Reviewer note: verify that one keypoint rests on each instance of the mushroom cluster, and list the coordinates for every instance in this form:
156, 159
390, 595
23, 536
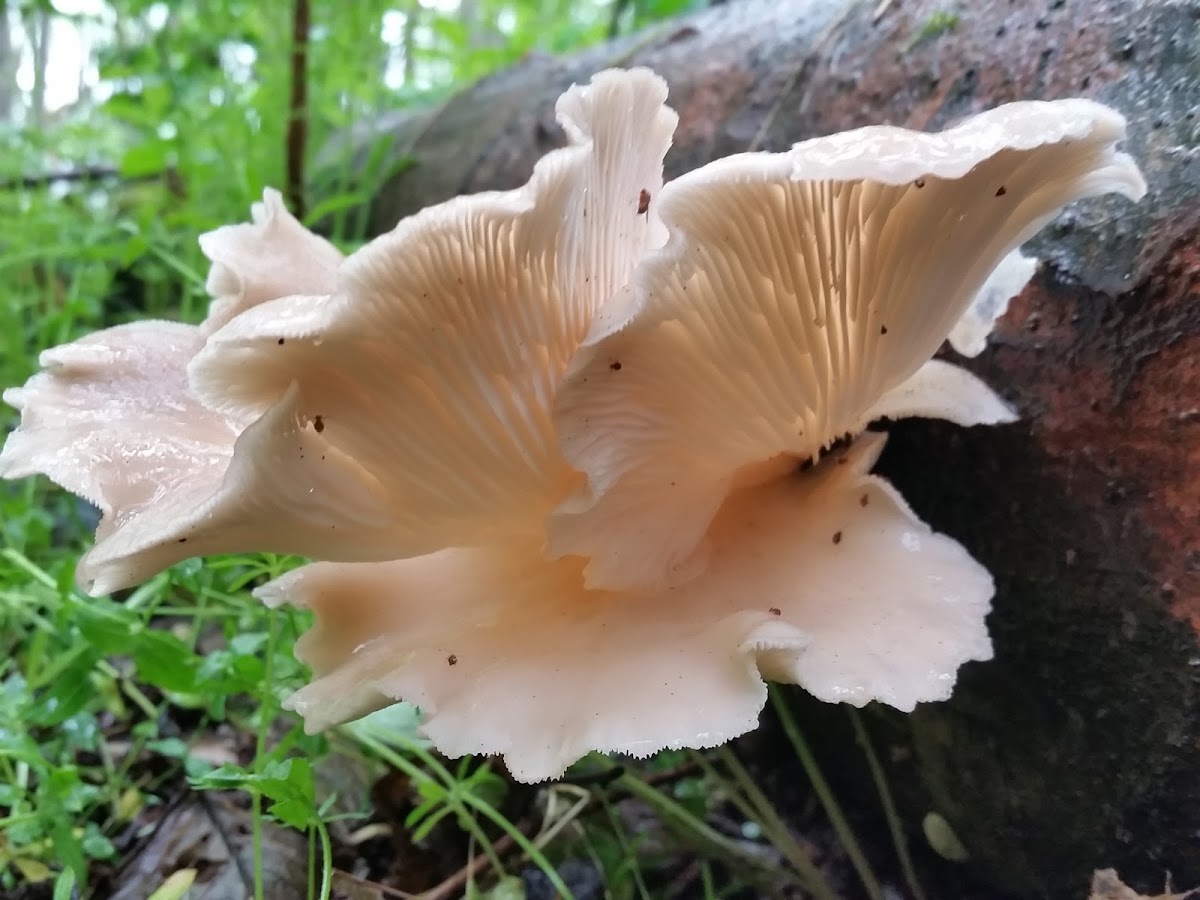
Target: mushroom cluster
583, 463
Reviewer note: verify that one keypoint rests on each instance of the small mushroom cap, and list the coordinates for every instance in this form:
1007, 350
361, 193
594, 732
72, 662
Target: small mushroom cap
110, 420
797, 292
271, 256
436, 364
113, 418
940, 390
545, 670
969, 334
254, 503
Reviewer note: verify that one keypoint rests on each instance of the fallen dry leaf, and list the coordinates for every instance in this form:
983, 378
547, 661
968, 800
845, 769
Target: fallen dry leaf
212, 836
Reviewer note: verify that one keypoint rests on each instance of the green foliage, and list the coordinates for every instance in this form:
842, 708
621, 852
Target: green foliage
934, 27
287, 783
74, 664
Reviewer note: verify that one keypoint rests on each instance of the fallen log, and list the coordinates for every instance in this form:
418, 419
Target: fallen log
1078, 747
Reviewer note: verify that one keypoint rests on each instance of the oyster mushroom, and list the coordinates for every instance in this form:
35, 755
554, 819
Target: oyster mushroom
551, 444
112, 417
711, 374
508, 653
797, 295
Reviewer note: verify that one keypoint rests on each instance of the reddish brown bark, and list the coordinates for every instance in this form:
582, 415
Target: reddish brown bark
1079, 745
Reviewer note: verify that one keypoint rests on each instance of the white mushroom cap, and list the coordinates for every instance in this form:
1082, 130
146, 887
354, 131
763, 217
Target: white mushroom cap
113, 419
969, 334
269, 257
939, 390
796, 292
436, 364
825, 579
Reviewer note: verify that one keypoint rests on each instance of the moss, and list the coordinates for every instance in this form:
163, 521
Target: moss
941, 22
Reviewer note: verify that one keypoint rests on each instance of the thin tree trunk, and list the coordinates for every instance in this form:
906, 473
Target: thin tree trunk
9, 60
40, 42
297, 128
468, 14
614, 23
410, 43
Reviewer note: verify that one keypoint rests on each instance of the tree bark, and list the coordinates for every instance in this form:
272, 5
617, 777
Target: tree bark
9, 60
410, 43
39, 37
1078, 747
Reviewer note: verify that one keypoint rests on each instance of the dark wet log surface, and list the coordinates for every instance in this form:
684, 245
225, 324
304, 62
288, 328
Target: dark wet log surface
1079, 746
